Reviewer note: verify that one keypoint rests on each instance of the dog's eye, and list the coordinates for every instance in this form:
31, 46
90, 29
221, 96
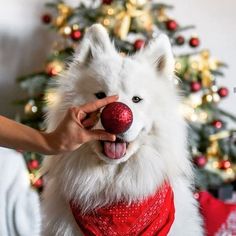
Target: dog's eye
100, 95
136, 99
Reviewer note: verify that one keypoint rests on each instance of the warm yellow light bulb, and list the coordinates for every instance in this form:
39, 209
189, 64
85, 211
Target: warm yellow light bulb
110, 11
106, 22
67, 30
178, 66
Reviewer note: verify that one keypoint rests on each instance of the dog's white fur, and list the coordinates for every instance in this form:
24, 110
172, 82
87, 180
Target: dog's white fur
157, 137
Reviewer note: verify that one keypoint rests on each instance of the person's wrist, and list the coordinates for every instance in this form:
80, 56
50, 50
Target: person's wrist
53, 143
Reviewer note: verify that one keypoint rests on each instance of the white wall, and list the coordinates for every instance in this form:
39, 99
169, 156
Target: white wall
23, 47
24, 41
215, 22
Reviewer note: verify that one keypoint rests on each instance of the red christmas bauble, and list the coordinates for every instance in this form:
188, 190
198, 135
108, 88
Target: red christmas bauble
179, 40
116, 117
171, 25
195, 86
217, 124
139, 43
34, 164
224, 165
194, 42
200, 161
38, 183
223, 92
46, 18
75, 35
107, 2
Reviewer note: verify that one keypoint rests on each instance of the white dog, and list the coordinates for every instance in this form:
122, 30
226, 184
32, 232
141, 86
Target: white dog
147, 191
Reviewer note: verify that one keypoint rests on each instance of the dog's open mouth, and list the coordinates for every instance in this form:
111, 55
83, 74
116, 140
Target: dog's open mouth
114, 150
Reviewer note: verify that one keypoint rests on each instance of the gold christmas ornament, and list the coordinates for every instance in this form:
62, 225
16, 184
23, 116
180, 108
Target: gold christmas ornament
64, 12
204, 65
161, 15
144, 21
207, 78
213, 150
131, 12
211, 97
205, 54
209, 63
138, 3
207, 98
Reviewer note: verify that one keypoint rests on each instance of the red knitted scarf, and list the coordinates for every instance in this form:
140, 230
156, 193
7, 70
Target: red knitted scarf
153, 216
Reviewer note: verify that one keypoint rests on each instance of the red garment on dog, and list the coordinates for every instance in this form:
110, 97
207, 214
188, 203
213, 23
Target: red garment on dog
153, 216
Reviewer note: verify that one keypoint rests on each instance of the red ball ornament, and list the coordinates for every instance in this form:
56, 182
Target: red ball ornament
116, 118
194, 42
34, 164
107, 2
224, 165
223, 92
138, 44
195, 86
38, 183
46, 18
179, 40
200, 161
75, 35
171, 25
217, 124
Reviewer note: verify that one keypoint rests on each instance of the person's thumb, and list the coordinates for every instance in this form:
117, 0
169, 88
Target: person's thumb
98, 134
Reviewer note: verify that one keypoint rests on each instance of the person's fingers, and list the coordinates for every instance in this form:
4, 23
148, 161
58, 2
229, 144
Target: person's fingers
93, 106
91, 121
98, 134
77, 114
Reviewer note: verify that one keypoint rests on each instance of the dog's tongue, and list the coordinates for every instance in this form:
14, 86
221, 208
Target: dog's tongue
114, 150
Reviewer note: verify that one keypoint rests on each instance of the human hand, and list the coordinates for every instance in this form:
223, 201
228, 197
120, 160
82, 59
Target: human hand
75, 128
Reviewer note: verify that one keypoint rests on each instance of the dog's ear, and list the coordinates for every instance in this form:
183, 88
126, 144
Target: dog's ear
95, 42
159, 54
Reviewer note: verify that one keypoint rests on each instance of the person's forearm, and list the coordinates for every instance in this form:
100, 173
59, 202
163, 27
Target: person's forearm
17, 136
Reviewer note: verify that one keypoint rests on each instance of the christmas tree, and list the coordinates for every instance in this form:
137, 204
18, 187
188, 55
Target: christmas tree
131, 25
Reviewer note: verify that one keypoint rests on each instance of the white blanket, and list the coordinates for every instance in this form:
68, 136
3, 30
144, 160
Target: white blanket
19, 204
